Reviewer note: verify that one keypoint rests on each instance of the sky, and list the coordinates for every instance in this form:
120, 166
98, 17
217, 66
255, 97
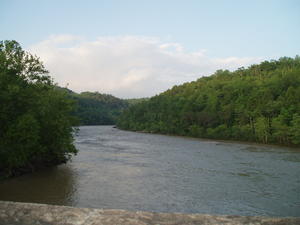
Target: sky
139, 48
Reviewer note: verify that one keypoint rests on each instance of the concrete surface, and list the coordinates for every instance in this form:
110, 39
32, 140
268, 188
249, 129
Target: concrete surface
15, 213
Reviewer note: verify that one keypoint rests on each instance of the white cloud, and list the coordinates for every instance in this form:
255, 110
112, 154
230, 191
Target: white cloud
126, 66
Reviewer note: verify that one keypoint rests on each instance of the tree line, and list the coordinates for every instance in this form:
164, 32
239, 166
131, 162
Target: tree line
94, 108
260, 103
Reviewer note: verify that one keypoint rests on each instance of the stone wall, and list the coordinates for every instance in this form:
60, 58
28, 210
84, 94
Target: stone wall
14, 213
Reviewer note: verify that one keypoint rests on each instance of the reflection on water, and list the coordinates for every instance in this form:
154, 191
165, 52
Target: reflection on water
135, 171
53, 186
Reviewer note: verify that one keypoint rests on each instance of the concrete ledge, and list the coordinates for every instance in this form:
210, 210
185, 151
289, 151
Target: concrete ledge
14, 213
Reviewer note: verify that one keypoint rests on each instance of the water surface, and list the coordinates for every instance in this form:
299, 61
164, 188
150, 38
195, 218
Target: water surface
135, 171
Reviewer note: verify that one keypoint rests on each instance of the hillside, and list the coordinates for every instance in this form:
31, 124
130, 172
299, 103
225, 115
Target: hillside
98, 109
260, 103
94, 108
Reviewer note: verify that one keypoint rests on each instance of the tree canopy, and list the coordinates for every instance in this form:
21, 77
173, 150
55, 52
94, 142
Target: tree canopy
260, 103
98, 109
36, 126
94, 108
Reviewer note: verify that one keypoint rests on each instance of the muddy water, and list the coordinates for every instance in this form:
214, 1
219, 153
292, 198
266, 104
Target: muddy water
134, 171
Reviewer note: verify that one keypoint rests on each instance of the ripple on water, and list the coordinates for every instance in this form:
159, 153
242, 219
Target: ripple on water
135, 171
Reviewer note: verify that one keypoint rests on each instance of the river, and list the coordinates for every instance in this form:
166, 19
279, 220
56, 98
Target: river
136, 171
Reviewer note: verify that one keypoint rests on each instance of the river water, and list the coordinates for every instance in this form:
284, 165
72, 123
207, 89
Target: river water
135, 171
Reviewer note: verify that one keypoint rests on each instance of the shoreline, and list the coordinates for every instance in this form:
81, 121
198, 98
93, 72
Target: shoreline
16, 172
295, 148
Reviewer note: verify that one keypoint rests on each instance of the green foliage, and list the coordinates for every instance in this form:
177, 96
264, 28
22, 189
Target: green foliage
35, 123
295, 129
260, 103
94, 108
133, 101
98, 109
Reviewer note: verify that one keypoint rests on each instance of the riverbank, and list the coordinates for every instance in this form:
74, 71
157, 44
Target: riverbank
293, 147
30, 168
15, 213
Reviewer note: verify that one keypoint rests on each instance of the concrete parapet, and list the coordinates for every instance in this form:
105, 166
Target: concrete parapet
15, 213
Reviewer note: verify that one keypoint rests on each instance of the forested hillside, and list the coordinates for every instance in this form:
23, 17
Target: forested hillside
260, 103
94, 108
133, 101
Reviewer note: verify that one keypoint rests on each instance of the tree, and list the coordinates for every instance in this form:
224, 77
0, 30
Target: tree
260, 103
295, 129
36, 126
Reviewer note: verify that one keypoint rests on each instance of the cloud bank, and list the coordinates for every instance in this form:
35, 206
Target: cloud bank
126, 66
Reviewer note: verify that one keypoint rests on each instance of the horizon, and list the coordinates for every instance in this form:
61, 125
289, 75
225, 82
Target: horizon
138, 49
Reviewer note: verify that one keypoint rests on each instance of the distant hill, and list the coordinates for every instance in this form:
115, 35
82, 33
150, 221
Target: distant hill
94, 108
260, 103
98, 109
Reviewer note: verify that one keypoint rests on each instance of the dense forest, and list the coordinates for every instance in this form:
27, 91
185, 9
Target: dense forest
260, 103
133, 101
93, 108
36, 125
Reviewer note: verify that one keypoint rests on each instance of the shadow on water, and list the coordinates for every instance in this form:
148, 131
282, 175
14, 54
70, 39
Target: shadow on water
52, 186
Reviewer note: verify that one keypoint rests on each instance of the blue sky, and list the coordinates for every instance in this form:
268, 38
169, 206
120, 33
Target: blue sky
256, 29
